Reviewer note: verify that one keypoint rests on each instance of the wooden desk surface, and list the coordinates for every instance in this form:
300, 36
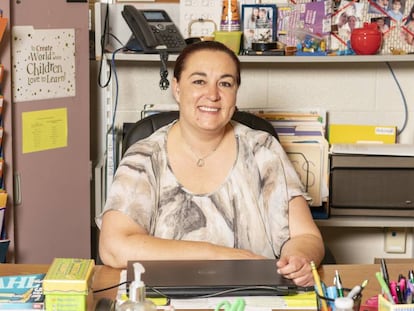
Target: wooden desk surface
351, 275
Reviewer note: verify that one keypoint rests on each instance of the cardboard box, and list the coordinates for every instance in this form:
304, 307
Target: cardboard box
351, 133
67, 284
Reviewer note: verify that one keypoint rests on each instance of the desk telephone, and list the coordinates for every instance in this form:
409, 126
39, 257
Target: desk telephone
153, 30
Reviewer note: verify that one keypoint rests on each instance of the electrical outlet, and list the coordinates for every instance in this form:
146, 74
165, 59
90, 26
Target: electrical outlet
395, 240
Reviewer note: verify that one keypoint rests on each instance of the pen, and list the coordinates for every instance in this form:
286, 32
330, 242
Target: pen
399, 294
318, 285
411, 276
384, 272
339, 284
384, 287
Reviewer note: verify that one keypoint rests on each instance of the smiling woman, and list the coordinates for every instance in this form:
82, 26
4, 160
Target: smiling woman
206, 186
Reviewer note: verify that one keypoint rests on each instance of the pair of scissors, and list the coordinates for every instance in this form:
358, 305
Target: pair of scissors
238, 305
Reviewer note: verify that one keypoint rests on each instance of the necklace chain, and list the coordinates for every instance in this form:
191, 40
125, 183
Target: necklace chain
200, 161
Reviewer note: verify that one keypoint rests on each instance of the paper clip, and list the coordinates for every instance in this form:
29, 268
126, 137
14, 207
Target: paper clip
238, 305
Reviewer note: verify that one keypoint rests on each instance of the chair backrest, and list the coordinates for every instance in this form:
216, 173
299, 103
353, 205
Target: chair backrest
148, 125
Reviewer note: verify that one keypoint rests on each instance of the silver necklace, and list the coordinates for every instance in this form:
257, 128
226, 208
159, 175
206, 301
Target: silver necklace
200, 161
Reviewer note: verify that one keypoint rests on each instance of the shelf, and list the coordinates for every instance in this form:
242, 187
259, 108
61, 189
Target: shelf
279, 59
365, 222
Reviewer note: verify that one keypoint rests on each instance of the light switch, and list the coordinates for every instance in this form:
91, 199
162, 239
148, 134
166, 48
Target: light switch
395, 240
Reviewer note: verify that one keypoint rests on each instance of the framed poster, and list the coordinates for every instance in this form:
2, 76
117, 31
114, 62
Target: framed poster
258, 24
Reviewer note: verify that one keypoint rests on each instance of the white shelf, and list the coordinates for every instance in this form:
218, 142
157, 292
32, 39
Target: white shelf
279, 59
365, 222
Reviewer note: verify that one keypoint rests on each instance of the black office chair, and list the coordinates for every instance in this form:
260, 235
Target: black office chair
146, 126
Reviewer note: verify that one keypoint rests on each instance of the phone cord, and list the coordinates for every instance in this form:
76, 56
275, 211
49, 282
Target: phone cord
164, 83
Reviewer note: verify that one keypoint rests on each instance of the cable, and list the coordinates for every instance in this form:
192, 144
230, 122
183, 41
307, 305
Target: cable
114, 110
106, 26
399, 132
228, 292
110, 287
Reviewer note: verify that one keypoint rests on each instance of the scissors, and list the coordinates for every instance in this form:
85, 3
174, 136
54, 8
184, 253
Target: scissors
238, 305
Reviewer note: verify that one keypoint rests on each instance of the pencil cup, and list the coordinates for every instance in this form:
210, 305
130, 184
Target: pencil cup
330, 302
385, 305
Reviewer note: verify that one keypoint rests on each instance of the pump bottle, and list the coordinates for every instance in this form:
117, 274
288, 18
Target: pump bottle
137, 300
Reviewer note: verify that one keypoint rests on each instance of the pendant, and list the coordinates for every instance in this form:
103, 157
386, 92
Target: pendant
200, 162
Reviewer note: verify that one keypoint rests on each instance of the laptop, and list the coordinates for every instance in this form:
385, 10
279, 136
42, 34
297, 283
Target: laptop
212, 278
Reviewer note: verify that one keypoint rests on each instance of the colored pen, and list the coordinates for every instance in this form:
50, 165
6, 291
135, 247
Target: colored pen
411, 276
318, 285
339, 284
384, 272
384, 287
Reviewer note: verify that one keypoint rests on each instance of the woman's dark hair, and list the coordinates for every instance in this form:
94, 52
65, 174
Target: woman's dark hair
202, 46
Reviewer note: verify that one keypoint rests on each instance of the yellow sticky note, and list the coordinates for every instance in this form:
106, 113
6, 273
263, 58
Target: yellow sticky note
44, 129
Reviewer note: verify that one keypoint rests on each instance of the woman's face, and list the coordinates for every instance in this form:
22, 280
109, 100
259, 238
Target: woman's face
207, 90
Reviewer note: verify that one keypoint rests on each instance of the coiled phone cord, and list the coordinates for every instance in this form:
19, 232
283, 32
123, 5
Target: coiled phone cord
164, 83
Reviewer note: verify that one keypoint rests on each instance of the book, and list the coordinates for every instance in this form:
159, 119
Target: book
4, 246
22, 292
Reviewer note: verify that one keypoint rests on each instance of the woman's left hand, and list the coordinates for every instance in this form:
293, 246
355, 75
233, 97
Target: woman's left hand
297, 269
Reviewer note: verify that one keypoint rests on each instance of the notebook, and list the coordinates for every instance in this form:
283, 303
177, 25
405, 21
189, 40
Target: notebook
212, 278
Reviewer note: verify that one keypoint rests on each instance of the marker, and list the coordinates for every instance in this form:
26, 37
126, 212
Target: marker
393, 291
384, 287
318, 285
402, 284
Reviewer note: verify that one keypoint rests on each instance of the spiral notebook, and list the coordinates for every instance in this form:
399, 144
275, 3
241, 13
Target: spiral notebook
212, 278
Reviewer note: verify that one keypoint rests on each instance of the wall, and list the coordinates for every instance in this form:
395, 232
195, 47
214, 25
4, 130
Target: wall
360, 93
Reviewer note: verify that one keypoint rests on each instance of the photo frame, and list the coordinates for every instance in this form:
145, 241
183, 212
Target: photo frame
258, 23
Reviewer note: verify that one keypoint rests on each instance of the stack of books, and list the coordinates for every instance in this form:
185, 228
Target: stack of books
4, 242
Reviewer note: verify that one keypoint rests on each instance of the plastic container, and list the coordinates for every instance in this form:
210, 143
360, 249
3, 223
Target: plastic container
385, 305
366, 40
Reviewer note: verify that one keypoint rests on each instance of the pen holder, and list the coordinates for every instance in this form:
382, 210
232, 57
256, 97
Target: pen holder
330, 302
385, 305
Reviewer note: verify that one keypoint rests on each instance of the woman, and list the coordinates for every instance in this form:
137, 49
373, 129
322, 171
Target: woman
205, 187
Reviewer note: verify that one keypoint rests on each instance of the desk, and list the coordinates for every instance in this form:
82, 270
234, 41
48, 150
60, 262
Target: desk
350, 275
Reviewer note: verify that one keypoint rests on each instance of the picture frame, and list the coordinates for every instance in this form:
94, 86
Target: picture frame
258, 22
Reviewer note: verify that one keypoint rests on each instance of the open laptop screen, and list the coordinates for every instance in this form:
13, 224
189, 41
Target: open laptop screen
209, 278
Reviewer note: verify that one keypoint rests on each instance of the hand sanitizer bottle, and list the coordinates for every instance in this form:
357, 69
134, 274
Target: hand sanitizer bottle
137, 301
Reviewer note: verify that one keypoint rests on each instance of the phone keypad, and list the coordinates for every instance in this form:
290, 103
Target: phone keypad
168, 35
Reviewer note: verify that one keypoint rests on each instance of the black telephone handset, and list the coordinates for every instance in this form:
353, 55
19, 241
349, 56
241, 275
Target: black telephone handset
153, 30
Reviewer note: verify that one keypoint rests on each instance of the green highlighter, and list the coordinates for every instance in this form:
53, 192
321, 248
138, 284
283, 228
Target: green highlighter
384, 287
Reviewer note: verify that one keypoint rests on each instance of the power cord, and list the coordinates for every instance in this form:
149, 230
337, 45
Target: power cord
399, 132
110, 287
